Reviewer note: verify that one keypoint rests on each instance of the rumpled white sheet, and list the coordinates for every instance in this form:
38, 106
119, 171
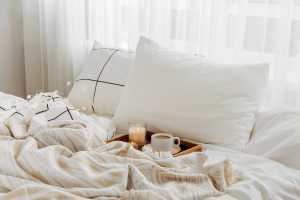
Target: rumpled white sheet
56, 143
276, 136
53, 151
17, 115
262, 178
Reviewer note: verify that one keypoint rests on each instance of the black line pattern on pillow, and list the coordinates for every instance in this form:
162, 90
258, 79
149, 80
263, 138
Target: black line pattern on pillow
47, 108
50, 97
66, 111
22, 110
17, 113
100, 76
86, 79
103, 67
6, 109
70, 113
115, 49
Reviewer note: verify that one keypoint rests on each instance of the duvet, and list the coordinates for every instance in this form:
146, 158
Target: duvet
49, 150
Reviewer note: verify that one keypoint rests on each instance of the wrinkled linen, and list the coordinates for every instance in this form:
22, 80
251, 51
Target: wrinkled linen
19, 118
45, 156
115, 170
276, 136
263, 178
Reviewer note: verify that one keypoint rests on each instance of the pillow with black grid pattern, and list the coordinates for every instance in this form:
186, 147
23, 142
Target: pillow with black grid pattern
99, 86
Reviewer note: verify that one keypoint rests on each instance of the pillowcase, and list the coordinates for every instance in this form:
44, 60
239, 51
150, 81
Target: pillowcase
99, 86
191, 97
276, 135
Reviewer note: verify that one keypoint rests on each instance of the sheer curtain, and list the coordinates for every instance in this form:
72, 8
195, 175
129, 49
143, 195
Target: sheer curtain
54, 43
236, 31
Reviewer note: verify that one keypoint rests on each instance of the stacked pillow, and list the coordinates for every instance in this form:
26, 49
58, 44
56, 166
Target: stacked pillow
192, 97
99, 86
185, 95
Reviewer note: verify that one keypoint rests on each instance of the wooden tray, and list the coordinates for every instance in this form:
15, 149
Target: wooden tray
185, 145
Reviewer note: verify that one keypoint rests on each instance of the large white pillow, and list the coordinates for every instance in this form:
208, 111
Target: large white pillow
276, 135
99, 86
191, 97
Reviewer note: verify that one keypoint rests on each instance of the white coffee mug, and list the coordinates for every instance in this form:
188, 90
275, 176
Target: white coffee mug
164, 142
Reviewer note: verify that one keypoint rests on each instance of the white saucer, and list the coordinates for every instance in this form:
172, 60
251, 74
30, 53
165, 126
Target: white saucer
175, 149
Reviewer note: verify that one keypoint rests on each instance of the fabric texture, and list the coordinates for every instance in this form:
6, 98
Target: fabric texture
276, 136
192, 97
235, 31
262, 178
69, 159
21, 118
58, 34
78, 166
99, 86
55, 44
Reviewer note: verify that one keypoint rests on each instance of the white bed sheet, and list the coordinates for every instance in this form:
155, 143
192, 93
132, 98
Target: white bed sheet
276, 135
262, 178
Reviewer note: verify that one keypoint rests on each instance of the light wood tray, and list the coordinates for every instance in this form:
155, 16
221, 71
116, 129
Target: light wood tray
185, 145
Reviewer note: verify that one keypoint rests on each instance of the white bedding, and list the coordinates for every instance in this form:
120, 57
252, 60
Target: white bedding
46, 107
191, 96
262, 178
276, 136
58, 153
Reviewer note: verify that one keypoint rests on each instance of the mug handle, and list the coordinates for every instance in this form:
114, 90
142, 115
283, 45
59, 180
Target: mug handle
178, 141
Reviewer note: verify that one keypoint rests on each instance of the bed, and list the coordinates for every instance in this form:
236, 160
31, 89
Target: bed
54, 148
65, 157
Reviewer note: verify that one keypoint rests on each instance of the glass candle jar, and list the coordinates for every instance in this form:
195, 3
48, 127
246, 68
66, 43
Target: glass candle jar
137, 132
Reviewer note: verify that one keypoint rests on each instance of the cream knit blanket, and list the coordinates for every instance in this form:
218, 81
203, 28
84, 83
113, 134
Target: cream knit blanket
66, 159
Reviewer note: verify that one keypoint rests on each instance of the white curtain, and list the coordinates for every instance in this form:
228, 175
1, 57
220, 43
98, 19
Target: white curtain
54, 43
236, 31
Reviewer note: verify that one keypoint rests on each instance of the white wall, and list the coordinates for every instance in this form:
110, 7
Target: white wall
12, 70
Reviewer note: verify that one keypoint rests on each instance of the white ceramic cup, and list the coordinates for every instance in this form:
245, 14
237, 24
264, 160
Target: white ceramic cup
164, 142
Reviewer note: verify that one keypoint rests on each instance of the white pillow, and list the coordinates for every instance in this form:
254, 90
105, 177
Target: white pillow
99, 86
276, 135
191, 97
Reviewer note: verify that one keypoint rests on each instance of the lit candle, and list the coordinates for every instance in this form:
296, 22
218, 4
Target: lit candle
137, 134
